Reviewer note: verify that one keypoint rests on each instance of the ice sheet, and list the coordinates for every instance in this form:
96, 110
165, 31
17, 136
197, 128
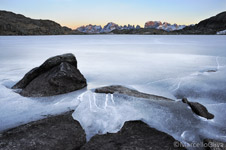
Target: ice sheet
171, 66
108, 112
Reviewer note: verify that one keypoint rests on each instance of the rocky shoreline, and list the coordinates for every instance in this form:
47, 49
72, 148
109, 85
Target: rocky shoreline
62, 132
54, 132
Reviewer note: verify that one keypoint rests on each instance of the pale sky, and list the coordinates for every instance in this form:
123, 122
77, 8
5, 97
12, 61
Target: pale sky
74, 13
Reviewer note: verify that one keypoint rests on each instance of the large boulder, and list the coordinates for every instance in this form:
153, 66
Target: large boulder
133, 135
57, 75
113, 89
59, 132
198, 109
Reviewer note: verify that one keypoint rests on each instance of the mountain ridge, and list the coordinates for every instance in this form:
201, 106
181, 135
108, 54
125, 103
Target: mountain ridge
211, 25
17, 24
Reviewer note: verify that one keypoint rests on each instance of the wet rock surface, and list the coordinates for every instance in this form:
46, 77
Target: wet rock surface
130, 92
133, 135
198, 109
57, 75
59, 132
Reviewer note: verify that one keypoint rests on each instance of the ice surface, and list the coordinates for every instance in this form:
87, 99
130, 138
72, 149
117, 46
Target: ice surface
171, 66
108, 112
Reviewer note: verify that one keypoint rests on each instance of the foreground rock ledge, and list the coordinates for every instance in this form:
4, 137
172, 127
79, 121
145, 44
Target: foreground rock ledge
60, 132
57, 75
134, 135
113, 89
196, 108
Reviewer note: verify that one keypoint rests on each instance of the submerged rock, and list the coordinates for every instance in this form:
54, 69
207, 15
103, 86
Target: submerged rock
211, 70
57, 75
53, 133
130, 92
211, 144
198, 109
133, 135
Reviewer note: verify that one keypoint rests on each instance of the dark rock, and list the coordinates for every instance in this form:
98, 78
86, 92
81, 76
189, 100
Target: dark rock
57, 75
198, 109
134, 135
211, 70
210, 144
130, 92
59, 132
217, 22
16, 24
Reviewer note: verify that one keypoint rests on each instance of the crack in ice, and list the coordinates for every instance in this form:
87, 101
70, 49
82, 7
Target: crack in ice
178, 86
160, 80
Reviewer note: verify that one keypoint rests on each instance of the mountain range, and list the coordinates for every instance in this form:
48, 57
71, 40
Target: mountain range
164, 26
113, 26
106, 29
17, 24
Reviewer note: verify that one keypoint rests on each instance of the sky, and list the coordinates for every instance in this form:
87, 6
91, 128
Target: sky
75, 13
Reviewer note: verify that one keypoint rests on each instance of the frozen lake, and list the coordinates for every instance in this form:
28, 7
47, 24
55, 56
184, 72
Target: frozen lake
170, 66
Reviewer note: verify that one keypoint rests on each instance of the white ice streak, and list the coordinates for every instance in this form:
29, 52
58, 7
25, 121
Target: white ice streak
112, 98
106, 101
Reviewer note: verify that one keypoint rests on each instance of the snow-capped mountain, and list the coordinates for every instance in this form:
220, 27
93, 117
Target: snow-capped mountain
164, 26
106, 29
90, 29
113, 26
110, 27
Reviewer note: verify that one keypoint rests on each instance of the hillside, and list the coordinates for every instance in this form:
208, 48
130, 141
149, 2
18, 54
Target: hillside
208, 26
16, 24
